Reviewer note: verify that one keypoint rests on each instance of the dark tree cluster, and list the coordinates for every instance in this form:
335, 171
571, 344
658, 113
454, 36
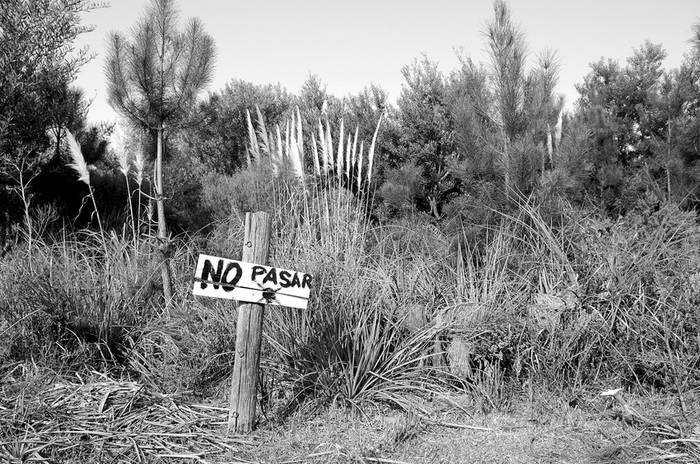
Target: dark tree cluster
38, 104
454, 146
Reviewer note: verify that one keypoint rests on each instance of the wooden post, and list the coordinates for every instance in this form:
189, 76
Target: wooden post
164, 244
244, 389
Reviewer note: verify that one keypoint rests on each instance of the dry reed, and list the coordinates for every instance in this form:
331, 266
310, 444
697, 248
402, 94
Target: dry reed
107, 419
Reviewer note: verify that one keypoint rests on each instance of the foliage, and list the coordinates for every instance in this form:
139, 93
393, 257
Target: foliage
184, 178
153, 79
403, 184
365, 108
641, 124
39, 62
37, 103
246, 190
222, 138
426, 139
507, 53
481, 123
467, 94
315, 103
627, 96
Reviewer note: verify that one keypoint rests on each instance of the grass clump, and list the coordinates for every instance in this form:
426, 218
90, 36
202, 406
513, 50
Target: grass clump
65, 307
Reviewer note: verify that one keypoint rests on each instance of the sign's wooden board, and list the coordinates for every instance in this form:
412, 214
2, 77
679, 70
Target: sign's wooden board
251, 283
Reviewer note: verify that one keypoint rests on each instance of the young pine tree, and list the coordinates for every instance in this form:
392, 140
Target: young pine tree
154, 78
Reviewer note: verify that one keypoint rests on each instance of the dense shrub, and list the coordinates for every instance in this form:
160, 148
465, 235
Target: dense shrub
65, 306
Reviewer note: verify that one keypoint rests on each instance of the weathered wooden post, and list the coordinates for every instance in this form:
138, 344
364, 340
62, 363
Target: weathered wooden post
244, 387
253, 284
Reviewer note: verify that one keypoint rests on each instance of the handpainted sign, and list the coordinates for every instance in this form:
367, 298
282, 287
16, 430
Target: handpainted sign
252, 283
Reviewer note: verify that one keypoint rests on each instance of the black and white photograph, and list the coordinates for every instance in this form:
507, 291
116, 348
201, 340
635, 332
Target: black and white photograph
360, 232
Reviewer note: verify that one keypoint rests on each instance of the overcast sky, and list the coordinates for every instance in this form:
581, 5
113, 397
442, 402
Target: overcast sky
350, 44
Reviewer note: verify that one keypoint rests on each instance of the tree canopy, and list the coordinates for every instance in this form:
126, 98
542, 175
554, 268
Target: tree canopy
39, 61
154, 77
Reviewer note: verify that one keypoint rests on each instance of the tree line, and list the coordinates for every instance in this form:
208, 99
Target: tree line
480, 134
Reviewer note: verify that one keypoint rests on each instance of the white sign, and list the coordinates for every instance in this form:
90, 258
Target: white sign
252, 283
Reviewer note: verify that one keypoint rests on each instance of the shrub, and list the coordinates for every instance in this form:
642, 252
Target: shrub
615, 295
249, 189
184, 191
351, 344
64, 305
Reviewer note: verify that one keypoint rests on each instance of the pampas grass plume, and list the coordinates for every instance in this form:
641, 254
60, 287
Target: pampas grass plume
77, 163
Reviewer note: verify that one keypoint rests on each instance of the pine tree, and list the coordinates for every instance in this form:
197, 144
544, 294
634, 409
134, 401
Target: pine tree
154, 79
507, 52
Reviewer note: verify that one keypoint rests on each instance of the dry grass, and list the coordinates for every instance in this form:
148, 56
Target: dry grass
101, 419
668, 426
443, 434
542, 429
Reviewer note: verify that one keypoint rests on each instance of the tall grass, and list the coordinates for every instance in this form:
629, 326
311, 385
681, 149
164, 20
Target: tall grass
68, 308
79, 165
122, 154
350, 346
398, 309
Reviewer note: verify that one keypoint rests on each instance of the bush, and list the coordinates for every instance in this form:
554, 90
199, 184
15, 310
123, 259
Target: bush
250, 189
182, 185
351, 345
614, 296
64, 305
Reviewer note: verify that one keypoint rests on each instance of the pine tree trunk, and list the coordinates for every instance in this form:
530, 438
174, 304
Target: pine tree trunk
550, 148
668, 162
506, 165
162, 228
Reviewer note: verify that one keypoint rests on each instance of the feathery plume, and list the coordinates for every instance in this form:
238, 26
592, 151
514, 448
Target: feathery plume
139, 165
294, 155
286, 138
120, 150
354, 147
370, 155
348, 149
277, 155
254, 149
329, 142
324, 146
300, 135
78, 163
359, 165
262, 131
317, 166
80, 166
339, 160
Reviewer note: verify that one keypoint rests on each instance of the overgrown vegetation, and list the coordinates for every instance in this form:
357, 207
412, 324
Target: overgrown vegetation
475, 238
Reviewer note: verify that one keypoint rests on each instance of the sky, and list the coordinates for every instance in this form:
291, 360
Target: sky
350, 44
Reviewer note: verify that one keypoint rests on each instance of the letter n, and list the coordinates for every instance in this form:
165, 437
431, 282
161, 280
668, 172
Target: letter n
209, 274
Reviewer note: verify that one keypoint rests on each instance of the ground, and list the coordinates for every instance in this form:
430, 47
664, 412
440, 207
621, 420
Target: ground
44, 418
521, 434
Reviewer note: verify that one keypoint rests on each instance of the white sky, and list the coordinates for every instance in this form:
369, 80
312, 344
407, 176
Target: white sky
350, 44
